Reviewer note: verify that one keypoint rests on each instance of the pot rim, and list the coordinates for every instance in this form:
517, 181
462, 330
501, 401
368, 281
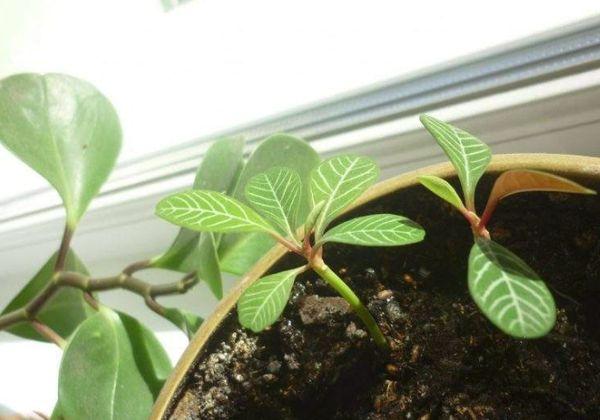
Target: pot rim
567, 165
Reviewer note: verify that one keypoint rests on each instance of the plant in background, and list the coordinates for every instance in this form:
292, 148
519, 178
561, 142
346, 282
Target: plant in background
508, 292
113, 366
275, 197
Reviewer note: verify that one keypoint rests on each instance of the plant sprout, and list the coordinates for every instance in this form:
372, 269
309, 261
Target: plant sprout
508, 292
274, 197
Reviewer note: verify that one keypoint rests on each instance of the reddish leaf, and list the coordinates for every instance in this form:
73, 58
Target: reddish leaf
525, 180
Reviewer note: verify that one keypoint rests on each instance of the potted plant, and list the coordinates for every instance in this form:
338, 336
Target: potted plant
327, 329
497, 347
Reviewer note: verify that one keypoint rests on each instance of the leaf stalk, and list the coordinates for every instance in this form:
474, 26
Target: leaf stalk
346, 292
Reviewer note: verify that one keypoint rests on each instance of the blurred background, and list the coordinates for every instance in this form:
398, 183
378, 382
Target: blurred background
345, 75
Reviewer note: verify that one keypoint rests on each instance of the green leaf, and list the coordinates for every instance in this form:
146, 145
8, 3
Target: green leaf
207, 264
210, 211
283, 151
509, 292
185, 321
338, 182
64, 129
469, 155
57, 413
442, 189
218, 171
279, 150
313, 216
151, 358
63, 312
264, 301
242, 254
276, 195
376, 230
112, 368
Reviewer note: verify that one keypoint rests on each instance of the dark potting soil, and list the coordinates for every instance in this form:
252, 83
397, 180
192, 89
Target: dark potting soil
446, 359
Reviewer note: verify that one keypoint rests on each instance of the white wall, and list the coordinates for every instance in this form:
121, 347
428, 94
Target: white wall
211, 64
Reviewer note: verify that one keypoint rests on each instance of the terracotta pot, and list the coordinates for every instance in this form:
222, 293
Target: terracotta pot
579, 167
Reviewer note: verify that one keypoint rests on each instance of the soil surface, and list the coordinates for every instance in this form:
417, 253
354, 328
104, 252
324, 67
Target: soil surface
446, 359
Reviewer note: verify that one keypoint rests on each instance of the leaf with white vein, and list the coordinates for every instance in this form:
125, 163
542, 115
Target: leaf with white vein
210, 211
509, 292
376, 230
264, 301
338, 182
276, 195
442, 189
469, 155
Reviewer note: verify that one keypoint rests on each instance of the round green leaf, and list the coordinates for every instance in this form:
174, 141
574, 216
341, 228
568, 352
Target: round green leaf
509, 292
63, 312
376, 230
112, 368
264, 301
64, 129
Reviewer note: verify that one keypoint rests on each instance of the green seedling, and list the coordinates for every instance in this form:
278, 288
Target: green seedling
274, 197
508, 292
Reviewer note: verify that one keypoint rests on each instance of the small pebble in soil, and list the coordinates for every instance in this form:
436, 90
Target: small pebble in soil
370, 274
408, 279
291, 361
319, 310
274, 366
415, 353
292, 337
391, 369
269, 378
353, 332
385, 294
393, 311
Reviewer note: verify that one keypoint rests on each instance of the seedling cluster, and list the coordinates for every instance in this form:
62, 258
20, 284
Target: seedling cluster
508, 292
274, 197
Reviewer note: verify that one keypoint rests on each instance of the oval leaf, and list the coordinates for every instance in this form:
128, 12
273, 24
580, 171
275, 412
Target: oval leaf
469, 155
276, 195
210, 211
185, 321
338, 182
509, 292
376, 230
218, 171
442, 189
526, 180
63, 312
64, 129
263, 302
240, 255
279, 150
112, 368
283, 151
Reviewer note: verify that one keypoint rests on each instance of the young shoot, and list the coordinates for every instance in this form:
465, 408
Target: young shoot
508, 292
274, 197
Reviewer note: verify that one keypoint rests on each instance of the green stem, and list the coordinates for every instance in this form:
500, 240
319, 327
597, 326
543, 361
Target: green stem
342, 288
